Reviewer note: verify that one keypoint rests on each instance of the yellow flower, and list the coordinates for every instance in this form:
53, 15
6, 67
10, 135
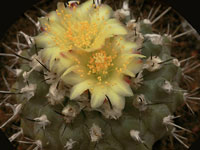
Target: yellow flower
102, 72
79, 28
86, 49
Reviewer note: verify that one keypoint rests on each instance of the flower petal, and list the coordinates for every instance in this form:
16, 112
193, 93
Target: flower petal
112, 27
135, 66
116, 100
61, 7
49, 56
97, 96
44, 40
61, 65
128, 56
79, 88
54, 61
120, 87
69, 70
101, 14
124, 44
84, 9
72, 78
129, 73
52, 16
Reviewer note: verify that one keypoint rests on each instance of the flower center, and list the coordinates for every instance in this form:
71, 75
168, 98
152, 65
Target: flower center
81, 34
99, 63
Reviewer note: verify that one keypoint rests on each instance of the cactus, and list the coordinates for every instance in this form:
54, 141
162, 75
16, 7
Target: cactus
97, 79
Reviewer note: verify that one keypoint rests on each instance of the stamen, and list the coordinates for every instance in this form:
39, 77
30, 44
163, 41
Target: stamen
99, 63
